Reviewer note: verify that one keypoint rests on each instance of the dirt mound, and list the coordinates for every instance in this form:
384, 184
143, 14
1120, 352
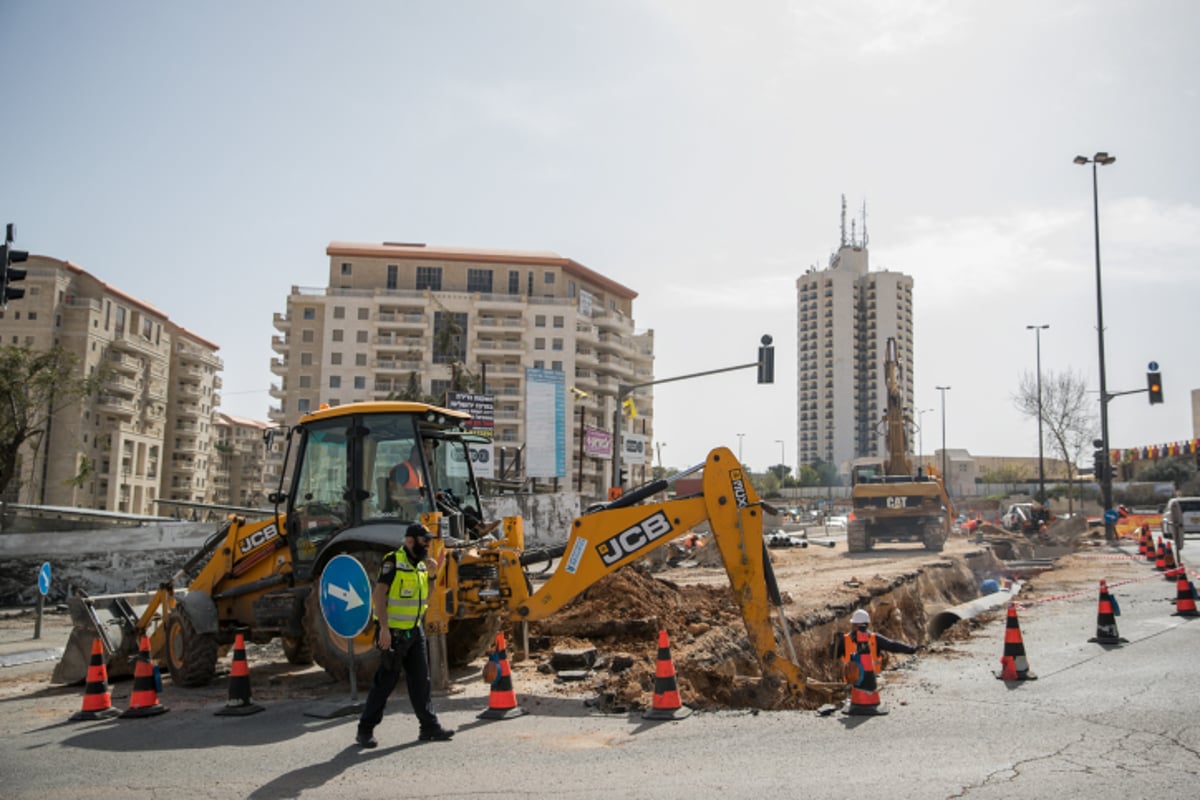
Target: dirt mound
715, 664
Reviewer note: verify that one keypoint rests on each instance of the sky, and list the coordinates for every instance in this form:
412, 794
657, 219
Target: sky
201, 156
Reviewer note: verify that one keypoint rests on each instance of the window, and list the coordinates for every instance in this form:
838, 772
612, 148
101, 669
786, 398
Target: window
479, 280
364, 313
360, 382
305, 382
393, 272
539, 364
438, 388
335, 358
539, 321
450, 337
346, 268
302, 405
309, 313
307, 336
539, 343
429, 278
335, 381
360, 359
339, 312
558, 322
556, 366
548, 278
338, 334
557, 344
514, 282
361, 337
570, 288
306, 359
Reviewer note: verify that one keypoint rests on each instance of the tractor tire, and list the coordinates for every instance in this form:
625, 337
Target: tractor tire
468, 639
857, 540
296, 650
332, 652
191, 657
934, 538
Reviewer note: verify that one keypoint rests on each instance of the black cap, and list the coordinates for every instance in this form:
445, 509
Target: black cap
417, 529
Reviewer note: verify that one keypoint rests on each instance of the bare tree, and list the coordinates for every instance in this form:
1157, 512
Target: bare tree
1068, 417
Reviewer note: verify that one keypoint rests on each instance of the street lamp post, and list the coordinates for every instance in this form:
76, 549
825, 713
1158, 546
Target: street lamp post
945, 477
1101, 159
782, 459
740, 436
1037, 331
921, 436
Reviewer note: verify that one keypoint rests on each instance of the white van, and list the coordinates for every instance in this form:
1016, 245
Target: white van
1181, 518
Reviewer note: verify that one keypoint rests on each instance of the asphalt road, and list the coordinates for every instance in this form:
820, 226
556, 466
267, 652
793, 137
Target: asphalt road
1099, 722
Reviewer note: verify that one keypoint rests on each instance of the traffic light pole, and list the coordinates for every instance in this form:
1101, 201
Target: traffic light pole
766, 374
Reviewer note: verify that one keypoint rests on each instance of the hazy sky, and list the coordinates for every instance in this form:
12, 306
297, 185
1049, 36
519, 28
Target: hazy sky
200, 156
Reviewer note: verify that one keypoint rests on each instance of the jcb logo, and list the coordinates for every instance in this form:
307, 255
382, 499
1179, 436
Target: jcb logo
258, 537
651, 529
739, 488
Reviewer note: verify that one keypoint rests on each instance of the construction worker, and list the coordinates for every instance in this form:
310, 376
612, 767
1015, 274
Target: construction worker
859, 652
406, 486
399, 600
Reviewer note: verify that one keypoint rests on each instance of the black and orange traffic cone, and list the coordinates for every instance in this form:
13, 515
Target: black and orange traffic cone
1160, 559
1151, 552
1185, 594
502, 700
666, 703
97, 700
1168, 560
1106, 619
1143, 535
1015, 667
239, 703
143, 700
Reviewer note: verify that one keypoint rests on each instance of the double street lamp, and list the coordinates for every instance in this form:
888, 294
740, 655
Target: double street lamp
1037, 330
1101, 159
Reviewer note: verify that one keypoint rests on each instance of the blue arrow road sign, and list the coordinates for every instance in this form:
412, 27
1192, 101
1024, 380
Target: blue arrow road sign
345, 596
44, 578
1111, 516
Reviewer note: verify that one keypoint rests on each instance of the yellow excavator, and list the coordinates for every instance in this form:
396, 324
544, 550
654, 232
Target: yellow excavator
889, 502
256, 577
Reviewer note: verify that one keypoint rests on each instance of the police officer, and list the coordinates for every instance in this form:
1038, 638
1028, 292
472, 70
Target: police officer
399, 600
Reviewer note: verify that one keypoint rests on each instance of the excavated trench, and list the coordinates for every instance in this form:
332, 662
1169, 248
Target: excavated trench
714, 662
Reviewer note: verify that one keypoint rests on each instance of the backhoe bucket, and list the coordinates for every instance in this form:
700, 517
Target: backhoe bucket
113, 620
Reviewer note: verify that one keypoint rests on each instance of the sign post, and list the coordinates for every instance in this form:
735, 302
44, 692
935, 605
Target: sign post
43, 590
346, 605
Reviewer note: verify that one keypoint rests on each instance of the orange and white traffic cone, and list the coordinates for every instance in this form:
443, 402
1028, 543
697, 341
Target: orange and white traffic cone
502, 700
1015, 666
97, 700
143, 700
239, 703
1185, 594
666, 703
1106, 619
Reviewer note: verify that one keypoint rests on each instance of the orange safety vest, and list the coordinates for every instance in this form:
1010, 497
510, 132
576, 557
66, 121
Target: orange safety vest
850, 649
413, 481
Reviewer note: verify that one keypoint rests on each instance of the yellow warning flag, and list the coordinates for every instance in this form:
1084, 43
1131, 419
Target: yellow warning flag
630, 408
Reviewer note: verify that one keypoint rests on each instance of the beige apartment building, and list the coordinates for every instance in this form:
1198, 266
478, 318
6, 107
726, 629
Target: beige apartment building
845, 315
381, 322
244, 472
148, 435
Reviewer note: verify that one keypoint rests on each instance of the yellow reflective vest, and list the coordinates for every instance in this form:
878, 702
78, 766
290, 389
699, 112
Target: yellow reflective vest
408, 595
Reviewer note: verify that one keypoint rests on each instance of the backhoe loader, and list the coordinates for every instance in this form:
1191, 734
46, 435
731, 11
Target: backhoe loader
256, 578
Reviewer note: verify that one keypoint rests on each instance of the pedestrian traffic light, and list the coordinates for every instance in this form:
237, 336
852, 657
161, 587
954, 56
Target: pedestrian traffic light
766, 360
9, 274
1100, 464
1154, 387
623, 477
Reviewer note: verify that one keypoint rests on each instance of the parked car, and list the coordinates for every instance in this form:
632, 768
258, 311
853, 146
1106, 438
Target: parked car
1181, 519
1017, 517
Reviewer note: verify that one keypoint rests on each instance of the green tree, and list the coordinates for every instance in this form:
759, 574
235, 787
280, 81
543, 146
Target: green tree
1179, 470
34, 386
1008, 473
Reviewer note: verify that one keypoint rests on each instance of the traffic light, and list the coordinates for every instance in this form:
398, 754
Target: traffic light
766, 360
1099, 460
1154, 387
10, 275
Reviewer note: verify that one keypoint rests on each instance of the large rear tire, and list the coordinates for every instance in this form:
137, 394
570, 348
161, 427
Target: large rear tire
191, 657
332, 651
857, 540
296, 650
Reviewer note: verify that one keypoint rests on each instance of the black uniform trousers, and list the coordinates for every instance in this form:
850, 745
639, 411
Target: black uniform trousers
408, 655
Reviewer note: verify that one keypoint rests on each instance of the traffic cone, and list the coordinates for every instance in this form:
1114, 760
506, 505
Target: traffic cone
97, 700
666, 704
1168, 560
1160, 560
1143, 540
1185, 594
239, 703
502, 701
1106, 621
1014, 665
1151, 553
143, 700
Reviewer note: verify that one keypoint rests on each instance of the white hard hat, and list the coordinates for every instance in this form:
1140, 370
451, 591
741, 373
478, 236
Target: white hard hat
860, 617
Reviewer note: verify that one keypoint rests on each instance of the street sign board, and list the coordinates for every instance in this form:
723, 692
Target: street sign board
44, 578
345, 596
1111, 516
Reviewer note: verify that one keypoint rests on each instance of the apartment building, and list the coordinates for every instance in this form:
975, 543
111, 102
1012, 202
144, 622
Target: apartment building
846, 314
148, 434
398, 314
244, 472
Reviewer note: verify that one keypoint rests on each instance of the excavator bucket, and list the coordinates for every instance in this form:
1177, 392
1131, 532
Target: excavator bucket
113, 619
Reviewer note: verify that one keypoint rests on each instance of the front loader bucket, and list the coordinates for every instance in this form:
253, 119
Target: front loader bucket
113, 620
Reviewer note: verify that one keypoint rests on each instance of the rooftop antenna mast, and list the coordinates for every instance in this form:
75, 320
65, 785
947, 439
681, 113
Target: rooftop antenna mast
843, 220
864, 218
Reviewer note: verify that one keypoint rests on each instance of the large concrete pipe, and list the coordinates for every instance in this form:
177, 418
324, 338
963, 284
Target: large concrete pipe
939, 622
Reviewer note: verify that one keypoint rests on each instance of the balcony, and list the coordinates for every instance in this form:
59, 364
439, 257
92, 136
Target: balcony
117, 406
281, 323
124, 364
393, 319
500, 346
278, 367
397, 365
279, 344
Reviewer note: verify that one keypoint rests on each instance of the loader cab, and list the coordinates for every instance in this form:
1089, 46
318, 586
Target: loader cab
374, 468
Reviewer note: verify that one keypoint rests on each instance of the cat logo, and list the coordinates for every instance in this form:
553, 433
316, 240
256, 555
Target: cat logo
632, 539
258, 537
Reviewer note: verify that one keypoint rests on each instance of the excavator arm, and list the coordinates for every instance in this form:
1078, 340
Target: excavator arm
606, 540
